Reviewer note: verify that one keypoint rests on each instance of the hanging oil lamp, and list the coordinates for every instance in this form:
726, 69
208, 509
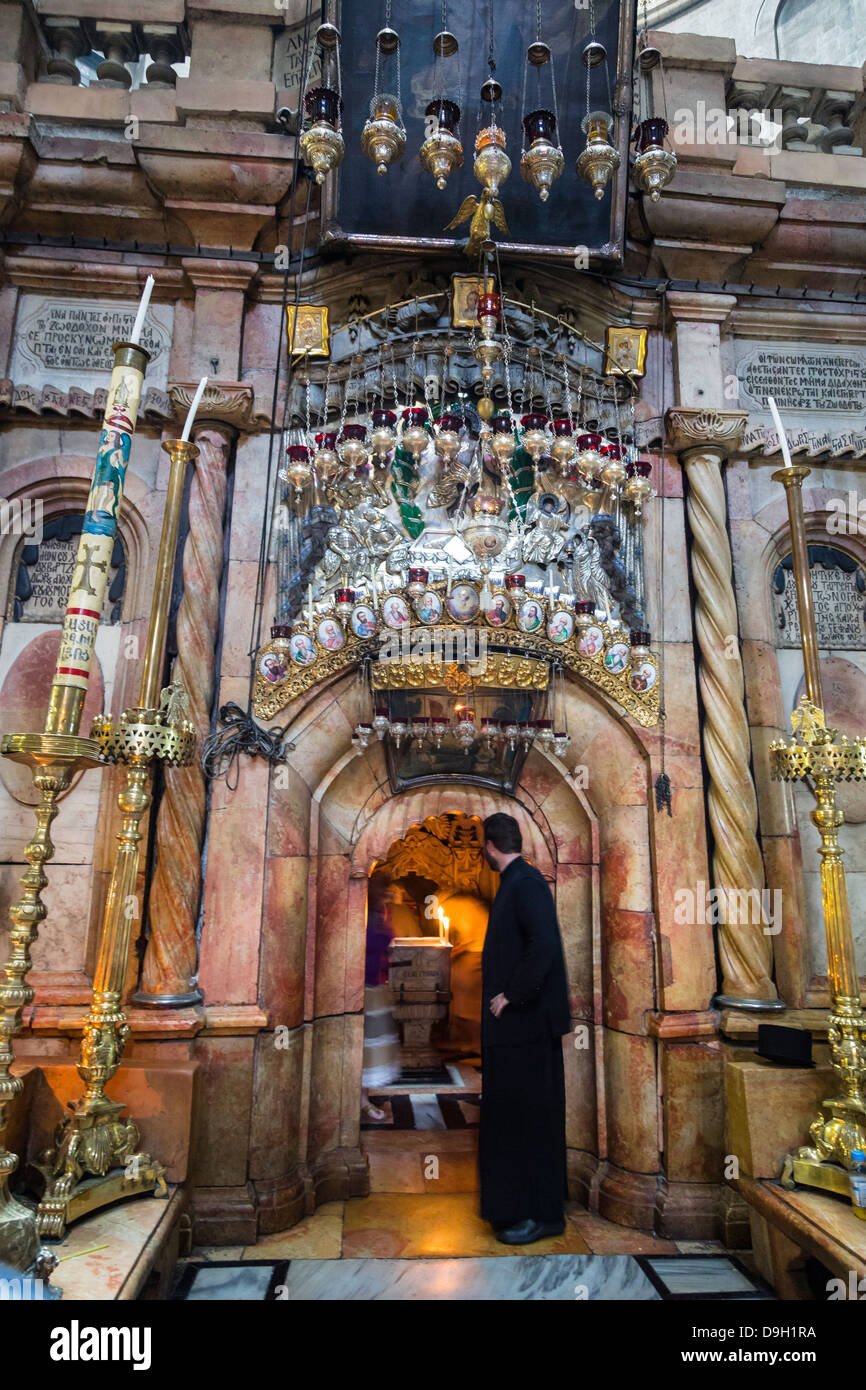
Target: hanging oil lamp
352, 446
321, 142
502, 442
442, 151
485, 529
639, 641
492, 165
414, 436
383, 436
653, 166
589, 458
535, 437
612, 468
383, 138
381, 721
297, 471
563, 447
325, 459
488, 351
599, 159
448, 436
638, 488
541, 162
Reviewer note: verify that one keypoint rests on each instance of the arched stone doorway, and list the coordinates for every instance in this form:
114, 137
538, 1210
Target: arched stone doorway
638, 978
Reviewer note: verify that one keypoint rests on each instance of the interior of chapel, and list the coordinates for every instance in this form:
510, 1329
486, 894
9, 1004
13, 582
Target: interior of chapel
414, 412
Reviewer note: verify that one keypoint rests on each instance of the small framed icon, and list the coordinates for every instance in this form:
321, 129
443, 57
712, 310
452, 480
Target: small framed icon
465, 290
499, 611
530, 615
561, 625
301, 649
591, 641
273, 667
643, 678
463, 603
330, 634
307, 333
429, 607
625, 352
395, 613
616, 657
363, 620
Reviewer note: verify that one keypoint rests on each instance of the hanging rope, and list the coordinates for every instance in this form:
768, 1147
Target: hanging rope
663, 781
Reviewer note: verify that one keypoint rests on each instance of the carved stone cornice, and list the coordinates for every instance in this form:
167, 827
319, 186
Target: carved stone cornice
224, 403
707, 428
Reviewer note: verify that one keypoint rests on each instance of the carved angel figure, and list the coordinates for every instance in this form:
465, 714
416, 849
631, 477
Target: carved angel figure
483, 211
546, 528
590, 578
363, 533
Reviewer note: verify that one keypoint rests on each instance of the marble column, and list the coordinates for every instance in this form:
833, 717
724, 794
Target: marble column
170, 960
703, 433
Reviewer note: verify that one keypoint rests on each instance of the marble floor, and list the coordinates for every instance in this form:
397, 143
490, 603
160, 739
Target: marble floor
432, 1245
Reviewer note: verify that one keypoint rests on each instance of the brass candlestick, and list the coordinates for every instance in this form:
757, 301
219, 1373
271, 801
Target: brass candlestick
58, 754
817, 754
95, 1139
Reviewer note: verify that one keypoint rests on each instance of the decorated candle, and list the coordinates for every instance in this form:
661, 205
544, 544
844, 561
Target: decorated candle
93, 560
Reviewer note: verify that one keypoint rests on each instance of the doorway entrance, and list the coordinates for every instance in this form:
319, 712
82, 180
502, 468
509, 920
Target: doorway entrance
428, 901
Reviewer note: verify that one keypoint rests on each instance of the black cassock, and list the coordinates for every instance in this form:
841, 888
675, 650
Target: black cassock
521, 1145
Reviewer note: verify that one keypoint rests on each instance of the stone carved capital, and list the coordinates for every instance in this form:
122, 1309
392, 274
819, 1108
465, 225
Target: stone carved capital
225, 403
705, 427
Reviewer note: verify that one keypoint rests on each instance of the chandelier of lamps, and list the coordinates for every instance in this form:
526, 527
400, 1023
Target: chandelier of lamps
384, 137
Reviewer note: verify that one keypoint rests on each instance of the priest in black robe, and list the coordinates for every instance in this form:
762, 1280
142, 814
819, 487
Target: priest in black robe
525, 1012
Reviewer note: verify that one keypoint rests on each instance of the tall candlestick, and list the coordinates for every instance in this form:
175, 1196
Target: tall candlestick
310, 613
193, 408
138, 325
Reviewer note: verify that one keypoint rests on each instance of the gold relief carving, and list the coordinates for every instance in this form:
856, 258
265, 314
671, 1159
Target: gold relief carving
496, 669
690, 427
448, 849
528, 671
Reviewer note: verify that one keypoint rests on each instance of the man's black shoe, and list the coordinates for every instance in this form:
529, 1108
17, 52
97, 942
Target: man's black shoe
527, 1232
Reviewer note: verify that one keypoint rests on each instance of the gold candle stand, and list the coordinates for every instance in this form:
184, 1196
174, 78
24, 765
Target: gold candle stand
95, 1160
57, 755
816, 754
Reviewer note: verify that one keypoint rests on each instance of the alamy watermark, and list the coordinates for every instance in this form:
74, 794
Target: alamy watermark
703, 906
713, 125
22, 516
464, 647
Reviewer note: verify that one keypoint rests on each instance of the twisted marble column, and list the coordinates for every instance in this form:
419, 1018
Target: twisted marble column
175, 894
702, 438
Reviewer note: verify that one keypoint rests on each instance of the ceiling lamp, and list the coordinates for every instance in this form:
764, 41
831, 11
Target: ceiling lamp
383, 138
542, 162
442, 151
321, 141
599, 159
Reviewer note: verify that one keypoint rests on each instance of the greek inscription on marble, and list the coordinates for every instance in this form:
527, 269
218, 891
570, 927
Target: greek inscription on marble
800, 380
59, 342
840, 607
50, 580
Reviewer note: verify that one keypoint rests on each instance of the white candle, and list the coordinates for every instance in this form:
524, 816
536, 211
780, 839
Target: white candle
193, 408
135, 335
780, 429
373, 583
310, 614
